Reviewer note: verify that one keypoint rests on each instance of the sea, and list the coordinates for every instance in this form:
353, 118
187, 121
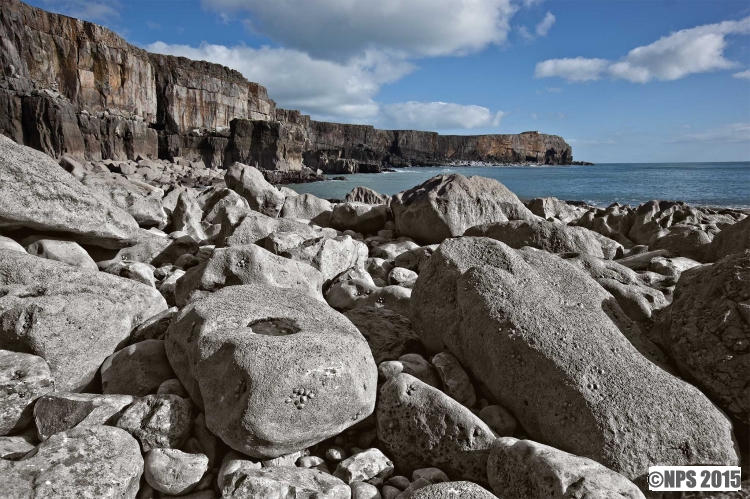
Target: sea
699, 184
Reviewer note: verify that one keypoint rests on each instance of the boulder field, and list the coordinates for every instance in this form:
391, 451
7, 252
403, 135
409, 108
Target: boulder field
451, 341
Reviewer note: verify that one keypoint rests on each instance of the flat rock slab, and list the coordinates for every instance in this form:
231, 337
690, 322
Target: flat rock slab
95, 462
275, 369
158, 421
70, 317
58, 412
35, 192
453, 490
282, 483
523, 469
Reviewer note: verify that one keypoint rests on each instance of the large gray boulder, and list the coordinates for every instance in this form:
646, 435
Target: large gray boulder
389, 334
281, 482
419, 426
446, 205
709, 331
141, 200
95, 462
308, 207
330, 255
158, 421
548, 236
249, 183
35, 192
137, 369
523, 469
275, 370
249, 264
149, 247
72, 318
360, 217
361, 194
732, 239
23, 379
550, 207
255, 226
60, 250
522, 323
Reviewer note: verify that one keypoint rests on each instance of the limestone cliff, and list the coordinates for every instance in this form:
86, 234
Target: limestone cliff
72, 87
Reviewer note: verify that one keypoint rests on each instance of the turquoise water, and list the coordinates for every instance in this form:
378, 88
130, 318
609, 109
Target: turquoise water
702, 184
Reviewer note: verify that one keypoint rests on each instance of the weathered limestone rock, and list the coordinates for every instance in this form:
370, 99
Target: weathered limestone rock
249, 183
282, 483
550, 207
555, 359
388, 333
158, 421
35, 192
141, 200
72, 318
393, 249
415, 259
95, 462
362, 194
499, 419
62, 251
614, 222
137, 370
15, 447
732, 239
548, 236
456, 382
400, 276
174, 472
9, 244
308, 207
709, 331
360, 217
446, 205
255, 226
364, 466
319, 380
522, 469
420, 426
23, 379
150, 248
136, 271
58, 412
187, 217
453, 490
249, 264
331, 256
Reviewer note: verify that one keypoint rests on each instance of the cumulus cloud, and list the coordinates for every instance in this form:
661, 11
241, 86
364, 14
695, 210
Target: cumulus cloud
532, 3
89, 10
340, 29
545, 25
327, 89
742, 74
577, 69
732, 133
685, 52
438, 116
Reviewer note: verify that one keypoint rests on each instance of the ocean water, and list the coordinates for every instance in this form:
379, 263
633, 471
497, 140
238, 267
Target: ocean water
700, 184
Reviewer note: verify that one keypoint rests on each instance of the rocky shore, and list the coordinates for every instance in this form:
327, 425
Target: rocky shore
229, 338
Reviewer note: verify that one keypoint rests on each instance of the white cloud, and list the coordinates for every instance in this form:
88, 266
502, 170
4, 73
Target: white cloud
340, 29
532, 3
554, 90
685, 52
438, 116
89, 10
743, 74
735, 132
326, 89
534, 116
578, 69
545, 25
525, 33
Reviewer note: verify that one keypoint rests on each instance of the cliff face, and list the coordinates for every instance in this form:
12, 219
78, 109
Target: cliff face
72, 87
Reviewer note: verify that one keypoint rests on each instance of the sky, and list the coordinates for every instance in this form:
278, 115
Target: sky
620, 80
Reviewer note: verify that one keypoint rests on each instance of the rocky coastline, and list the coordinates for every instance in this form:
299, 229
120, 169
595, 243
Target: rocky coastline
235, 339
72, 88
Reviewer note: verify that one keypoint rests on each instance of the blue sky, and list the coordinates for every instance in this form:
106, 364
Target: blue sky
622, 81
